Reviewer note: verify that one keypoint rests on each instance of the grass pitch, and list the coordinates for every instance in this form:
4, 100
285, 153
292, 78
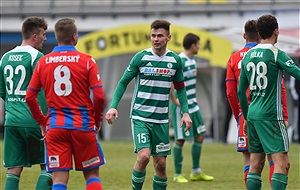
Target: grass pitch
218, 160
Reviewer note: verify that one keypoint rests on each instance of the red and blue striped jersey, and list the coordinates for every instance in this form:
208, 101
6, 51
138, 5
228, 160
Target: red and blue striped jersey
67, 77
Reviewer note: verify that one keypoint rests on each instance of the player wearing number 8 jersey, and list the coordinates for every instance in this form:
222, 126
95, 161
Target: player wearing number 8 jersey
262, 70
22, 144
67, 76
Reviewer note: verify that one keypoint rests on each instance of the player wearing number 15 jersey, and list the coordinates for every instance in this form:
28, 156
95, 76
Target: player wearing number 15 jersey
262, 70
67, 77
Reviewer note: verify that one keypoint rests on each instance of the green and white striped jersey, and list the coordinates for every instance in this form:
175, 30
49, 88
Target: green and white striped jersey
154, 76
262, 70
190, 79
16, 69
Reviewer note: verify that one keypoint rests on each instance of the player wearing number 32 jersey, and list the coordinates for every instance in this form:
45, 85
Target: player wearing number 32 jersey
67, 77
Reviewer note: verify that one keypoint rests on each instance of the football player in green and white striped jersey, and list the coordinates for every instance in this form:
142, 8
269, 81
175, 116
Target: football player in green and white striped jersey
155, 69
191, 44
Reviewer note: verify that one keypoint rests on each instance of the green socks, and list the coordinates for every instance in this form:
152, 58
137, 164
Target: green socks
45, 181
160, 183
279, 181
196, 153
253, 181
138, 179
177, 156
12, 182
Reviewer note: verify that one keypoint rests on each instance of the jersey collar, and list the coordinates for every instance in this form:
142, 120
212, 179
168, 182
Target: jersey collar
63, 48
250, 45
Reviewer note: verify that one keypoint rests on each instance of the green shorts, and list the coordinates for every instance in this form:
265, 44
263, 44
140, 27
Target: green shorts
154, 136
197, 129
23, 147
267, 136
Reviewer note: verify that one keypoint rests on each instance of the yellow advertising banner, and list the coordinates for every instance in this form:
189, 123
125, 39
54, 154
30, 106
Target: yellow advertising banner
130, 39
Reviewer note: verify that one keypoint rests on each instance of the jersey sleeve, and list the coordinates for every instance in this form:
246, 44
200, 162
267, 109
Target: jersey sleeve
97, 88
2, 83
131, 71
31, 100
242, 88
231, 89
178, 77
288, 65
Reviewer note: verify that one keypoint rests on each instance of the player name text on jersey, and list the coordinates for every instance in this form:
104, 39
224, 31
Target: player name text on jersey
63, 58
256, 54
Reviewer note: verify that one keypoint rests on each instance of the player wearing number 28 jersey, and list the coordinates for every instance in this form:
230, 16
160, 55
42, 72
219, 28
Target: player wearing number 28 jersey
262, 70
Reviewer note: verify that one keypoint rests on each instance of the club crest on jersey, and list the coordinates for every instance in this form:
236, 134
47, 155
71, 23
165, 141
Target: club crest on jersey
169, 65
53, 161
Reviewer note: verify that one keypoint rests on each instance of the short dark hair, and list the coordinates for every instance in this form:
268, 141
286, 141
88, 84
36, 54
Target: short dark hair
266, 25
251, 30
189, 40
157, 24
64, 30
32, 25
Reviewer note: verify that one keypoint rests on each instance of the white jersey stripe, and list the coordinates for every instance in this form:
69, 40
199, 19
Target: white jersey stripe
150, 120
151, 109
153, 96
154, 83
191, 91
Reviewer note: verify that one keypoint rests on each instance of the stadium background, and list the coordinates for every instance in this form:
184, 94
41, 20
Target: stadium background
113, 30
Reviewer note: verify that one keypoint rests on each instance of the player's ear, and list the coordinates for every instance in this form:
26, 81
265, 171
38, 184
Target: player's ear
276, 32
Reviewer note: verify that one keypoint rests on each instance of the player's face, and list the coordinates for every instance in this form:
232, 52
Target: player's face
196, 47
40, 39
159, 39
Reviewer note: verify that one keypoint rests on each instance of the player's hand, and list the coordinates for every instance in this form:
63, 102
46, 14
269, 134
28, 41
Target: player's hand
111, 114
98, 126
43, 129
245, 128
286, 124
187, 120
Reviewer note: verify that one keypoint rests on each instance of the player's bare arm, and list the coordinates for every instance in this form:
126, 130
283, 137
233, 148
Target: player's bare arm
111, 114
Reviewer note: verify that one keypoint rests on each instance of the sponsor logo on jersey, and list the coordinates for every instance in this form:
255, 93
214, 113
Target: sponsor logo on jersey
149, 64
53, 161
242, 142
90, 162
157, 71
201, 129
16, 99
289, 62
162, 147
